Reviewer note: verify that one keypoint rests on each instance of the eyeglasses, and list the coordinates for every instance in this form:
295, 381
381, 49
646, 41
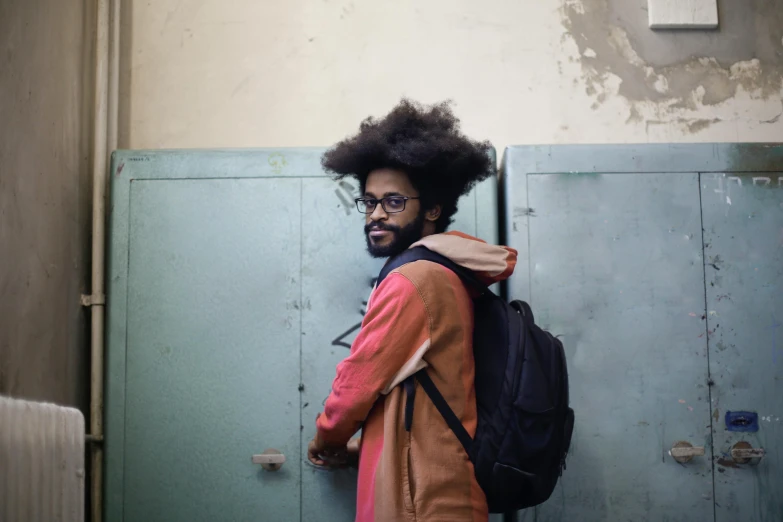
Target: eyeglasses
390, 204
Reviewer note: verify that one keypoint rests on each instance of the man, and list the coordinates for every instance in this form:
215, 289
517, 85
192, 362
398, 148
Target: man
412, 166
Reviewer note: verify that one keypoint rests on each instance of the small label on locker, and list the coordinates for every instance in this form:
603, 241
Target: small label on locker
744, 421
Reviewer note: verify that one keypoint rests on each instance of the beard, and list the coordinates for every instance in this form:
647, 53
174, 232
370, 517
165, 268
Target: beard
402, 237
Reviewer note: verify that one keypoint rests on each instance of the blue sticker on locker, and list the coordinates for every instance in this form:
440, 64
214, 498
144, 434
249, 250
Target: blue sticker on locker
745, 421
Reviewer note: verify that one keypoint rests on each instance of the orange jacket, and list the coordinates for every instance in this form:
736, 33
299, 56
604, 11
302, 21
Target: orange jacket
420, 316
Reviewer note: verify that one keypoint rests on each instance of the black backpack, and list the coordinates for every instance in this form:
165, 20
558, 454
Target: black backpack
524, 419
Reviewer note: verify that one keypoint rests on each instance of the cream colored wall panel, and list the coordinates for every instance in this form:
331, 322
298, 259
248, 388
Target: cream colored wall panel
286, 73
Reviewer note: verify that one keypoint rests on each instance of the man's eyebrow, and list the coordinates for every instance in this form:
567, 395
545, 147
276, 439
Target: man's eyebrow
386, 195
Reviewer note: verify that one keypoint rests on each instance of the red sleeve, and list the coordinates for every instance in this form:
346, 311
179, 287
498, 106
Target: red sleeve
395, 326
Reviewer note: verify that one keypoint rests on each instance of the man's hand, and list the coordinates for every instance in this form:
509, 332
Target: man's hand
321, 455
333, 457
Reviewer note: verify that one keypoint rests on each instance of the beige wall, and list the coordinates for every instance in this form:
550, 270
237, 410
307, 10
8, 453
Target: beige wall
236, 73
44, 198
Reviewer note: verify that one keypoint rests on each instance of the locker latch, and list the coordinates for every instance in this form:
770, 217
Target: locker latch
270, 460
743, 453
684, 451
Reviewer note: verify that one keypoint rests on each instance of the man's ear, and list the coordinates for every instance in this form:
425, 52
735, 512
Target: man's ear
433, 214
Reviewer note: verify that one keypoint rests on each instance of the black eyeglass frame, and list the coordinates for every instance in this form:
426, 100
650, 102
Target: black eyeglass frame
382, 201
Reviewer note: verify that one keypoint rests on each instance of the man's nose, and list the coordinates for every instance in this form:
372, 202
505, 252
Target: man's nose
378, 214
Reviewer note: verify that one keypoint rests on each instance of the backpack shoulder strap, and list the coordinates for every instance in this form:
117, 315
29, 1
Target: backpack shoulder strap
445, 410
423, 253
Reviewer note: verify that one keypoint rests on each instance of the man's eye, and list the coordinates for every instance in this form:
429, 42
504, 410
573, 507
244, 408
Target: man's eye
395, 203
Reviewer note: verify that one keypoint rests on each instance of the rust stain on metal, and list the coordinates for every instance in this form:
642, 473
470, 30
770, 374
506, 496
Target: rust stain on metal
726, 463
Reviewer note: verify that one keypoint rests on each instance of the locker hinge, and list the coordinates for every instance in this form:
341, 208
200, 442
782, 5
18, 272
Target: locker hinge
93, 300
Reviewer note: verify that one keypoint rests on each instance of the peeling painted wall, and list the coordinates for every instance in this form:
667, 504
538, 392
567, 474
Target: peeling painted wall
45, 196
298, 72
677, 76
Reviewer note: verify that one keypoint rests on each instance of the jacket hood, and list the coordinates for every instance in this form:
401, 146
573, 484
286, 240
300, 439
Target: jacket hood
490, 263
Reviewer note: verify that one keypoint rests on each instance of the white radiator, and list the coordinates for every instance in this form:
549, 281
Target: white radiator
41, 462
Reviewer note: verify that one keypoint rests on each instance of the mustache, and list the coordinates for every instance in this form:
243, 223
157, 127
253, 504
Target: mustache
370, 227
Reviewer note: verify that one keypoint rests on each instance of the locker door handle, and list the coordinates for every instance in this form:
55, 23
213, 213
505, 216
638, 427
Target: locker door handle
742, 453
684, 451
270, 460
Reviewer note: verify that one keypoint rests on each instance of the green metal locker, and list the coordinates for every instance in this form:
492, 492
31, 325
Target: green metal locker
661, 268
237, 280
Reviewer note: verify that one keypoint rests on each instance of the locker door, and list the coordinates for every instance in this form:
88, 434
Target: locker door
743, 244
611, 261
236, 285
212, 350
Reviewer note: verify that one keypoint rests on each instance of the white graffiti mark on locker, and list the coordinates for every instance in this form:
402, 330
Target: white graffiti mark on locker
758, 181
728, 187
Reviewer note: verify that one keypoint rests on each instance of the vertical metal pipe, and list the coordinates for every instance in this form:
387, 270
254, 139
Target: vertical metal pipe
97, 299
114, 78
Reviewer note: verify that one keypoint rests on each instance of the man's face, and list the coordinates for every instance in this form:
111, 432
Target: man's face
393, 229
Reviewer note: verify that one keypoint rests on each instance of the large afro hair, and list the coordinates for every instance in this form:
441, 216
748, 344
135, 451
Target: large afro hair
425, 142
